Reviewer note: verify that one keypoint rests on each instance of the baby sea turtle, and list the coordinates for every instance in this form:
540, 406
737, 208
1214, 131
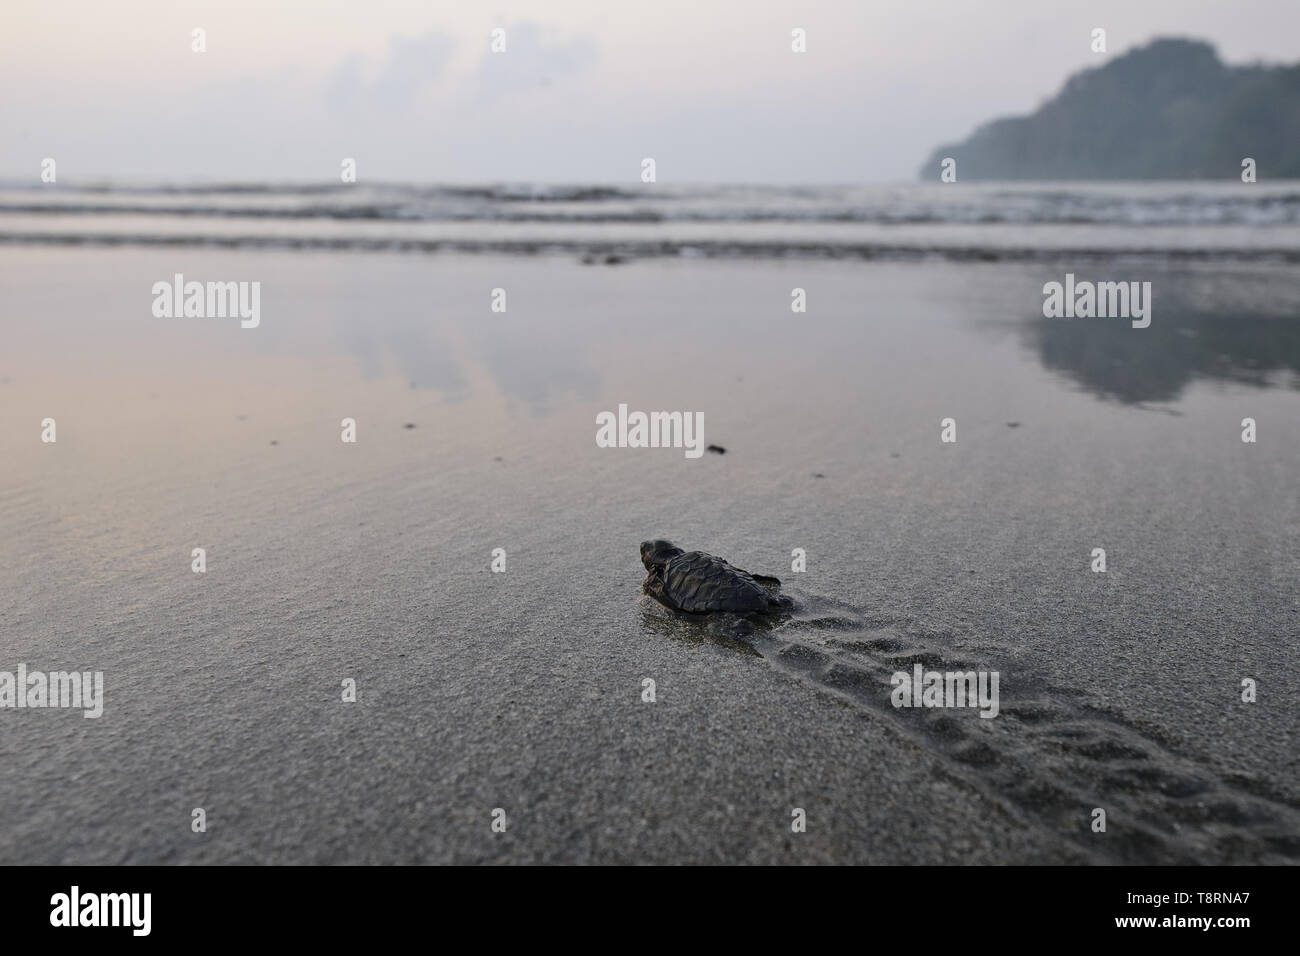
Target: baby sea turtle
700, 583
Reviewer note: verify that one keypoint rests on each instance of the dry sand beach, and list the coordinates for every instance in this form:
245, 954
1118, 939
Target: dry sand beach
522, 690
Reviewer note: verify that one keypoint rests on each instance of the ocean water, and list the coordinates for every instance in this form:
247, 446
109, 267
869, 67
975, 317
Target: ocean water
476, 430
982, 221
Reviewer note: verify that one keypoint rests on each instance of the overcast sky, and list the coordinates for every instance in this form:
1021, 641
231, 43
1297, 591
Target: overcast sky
586, 88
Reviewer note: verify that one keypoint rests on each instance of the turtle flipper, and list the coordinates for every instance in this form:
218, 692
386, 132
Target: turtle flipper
654, 586
773, 586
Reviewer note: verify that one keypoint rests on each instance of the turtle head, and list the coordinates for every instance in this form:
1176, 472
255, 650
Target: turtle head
655, 554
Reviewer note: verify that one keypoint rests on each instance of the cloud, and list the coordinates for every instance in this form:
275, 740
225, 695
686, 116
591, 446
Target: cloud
532, 60
411, 66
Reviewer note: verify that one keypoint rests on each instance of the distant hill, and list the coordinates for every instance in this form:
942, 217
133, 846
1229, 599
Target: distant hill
1169, 110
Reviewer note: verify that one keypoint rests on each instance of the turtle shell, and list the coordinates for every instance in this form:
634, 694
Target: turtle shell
699, 582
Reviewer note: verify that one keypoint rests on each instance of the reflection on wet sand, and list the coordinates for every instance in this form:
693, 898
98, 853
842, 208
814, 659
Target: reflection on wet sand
1230, 336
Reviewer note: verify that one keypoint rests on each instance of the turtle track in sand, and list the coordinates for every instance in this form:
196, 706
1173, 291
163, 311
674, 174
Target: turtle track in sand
1050, 755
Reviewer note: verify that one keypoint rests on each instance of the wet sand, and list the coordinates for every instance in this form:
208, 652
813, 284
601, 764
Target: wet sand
523, 690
